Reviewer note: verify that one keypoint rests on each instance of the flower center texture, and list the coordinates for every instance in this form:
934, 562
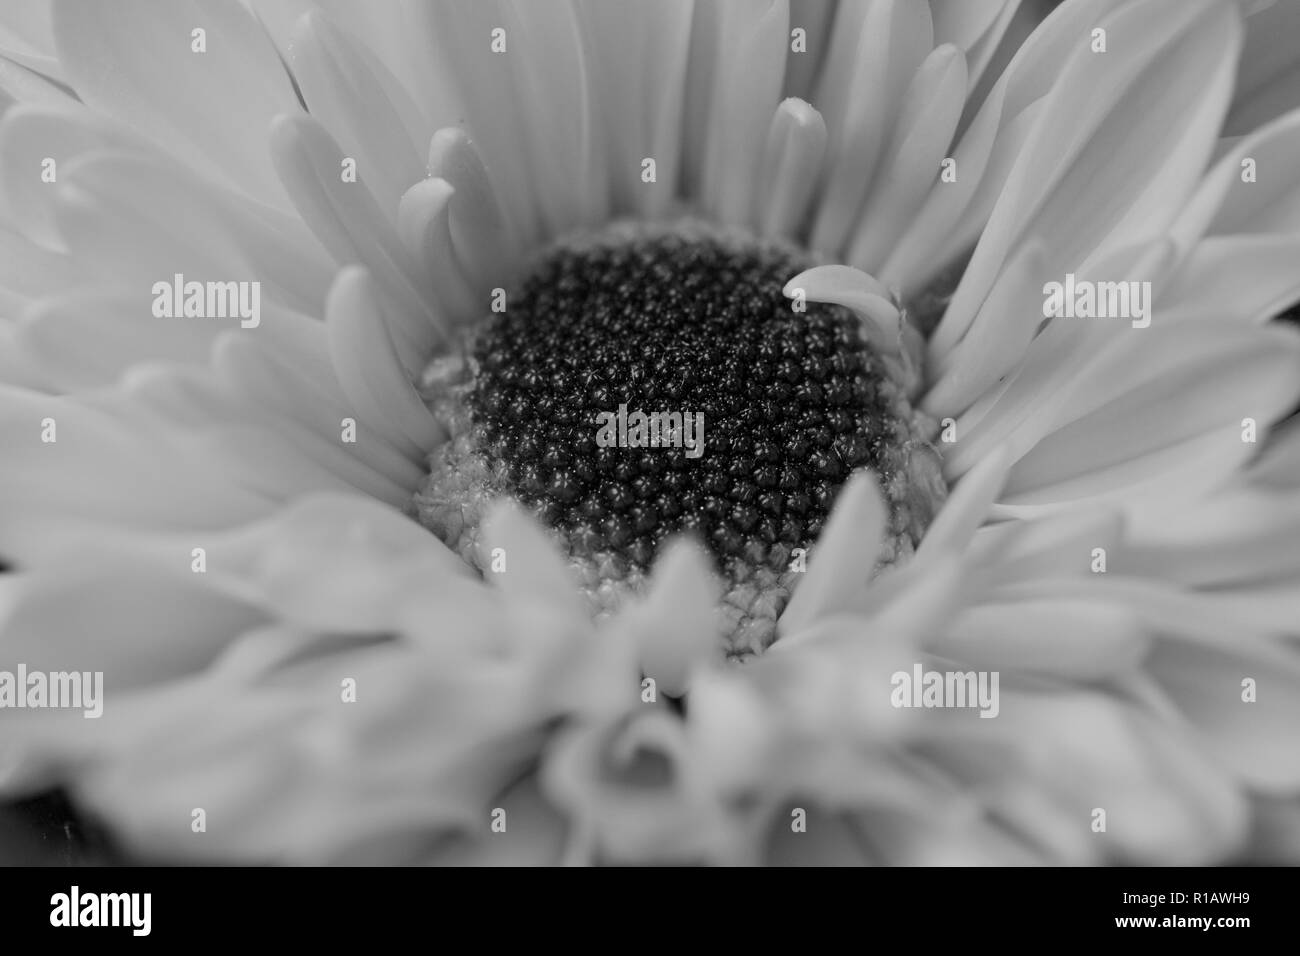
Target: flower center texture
644, 383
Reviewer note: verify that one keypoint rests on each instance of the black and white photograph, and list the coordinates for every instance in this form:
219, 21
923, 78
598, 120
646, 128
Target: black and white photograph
650, 433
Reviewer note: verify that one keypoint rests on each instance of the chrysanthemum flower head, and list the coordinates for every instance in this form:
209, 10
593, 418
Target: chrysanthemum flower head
342, 351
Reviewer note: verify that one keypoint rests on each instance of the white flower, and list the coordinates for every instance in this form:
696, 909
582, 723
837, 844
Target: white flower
933, 198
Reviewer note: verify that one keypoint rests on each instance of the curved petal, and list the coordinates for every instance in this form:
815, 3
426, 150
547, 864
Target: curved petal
137, 63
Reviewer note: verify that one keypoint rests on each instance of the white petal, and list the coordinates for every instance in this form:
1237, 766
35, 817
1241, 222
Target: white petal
155, 201
299, 381
1165, 799
1256, 739
1278, 465
1234, 278
705, 39
339, 564
1249, 618
997, 340
134, 62
1176, 472
1236, 537
866, 297
27, 36
1268, 80
204, 422
554, 87
895, 38
952, 217
1176, 63
676, 626
350, 224
484, 80
101, 471
394, 37
345, 94
484, 243
963, 22
792, 159
532, 565
87, 339
1270, 203
949, 222
815, 18
18, 84
967, 507
313, 419
29, 272
979, 30
909, 168
31, 133
535, 836
423, 222
1074, 640
1061, 353
1128, 408
1063, 545
1232, 205
845, 556
639, 54
925, 606
255, 457
370, 370
746, 88
15, 369
133, 620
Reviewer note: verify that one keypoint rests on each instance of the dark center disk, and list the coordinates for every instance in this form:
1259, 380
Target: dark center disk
792, 402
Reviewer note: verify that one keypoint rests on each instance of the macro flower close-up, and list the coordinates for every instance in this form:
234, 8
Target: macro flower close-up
622, 432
